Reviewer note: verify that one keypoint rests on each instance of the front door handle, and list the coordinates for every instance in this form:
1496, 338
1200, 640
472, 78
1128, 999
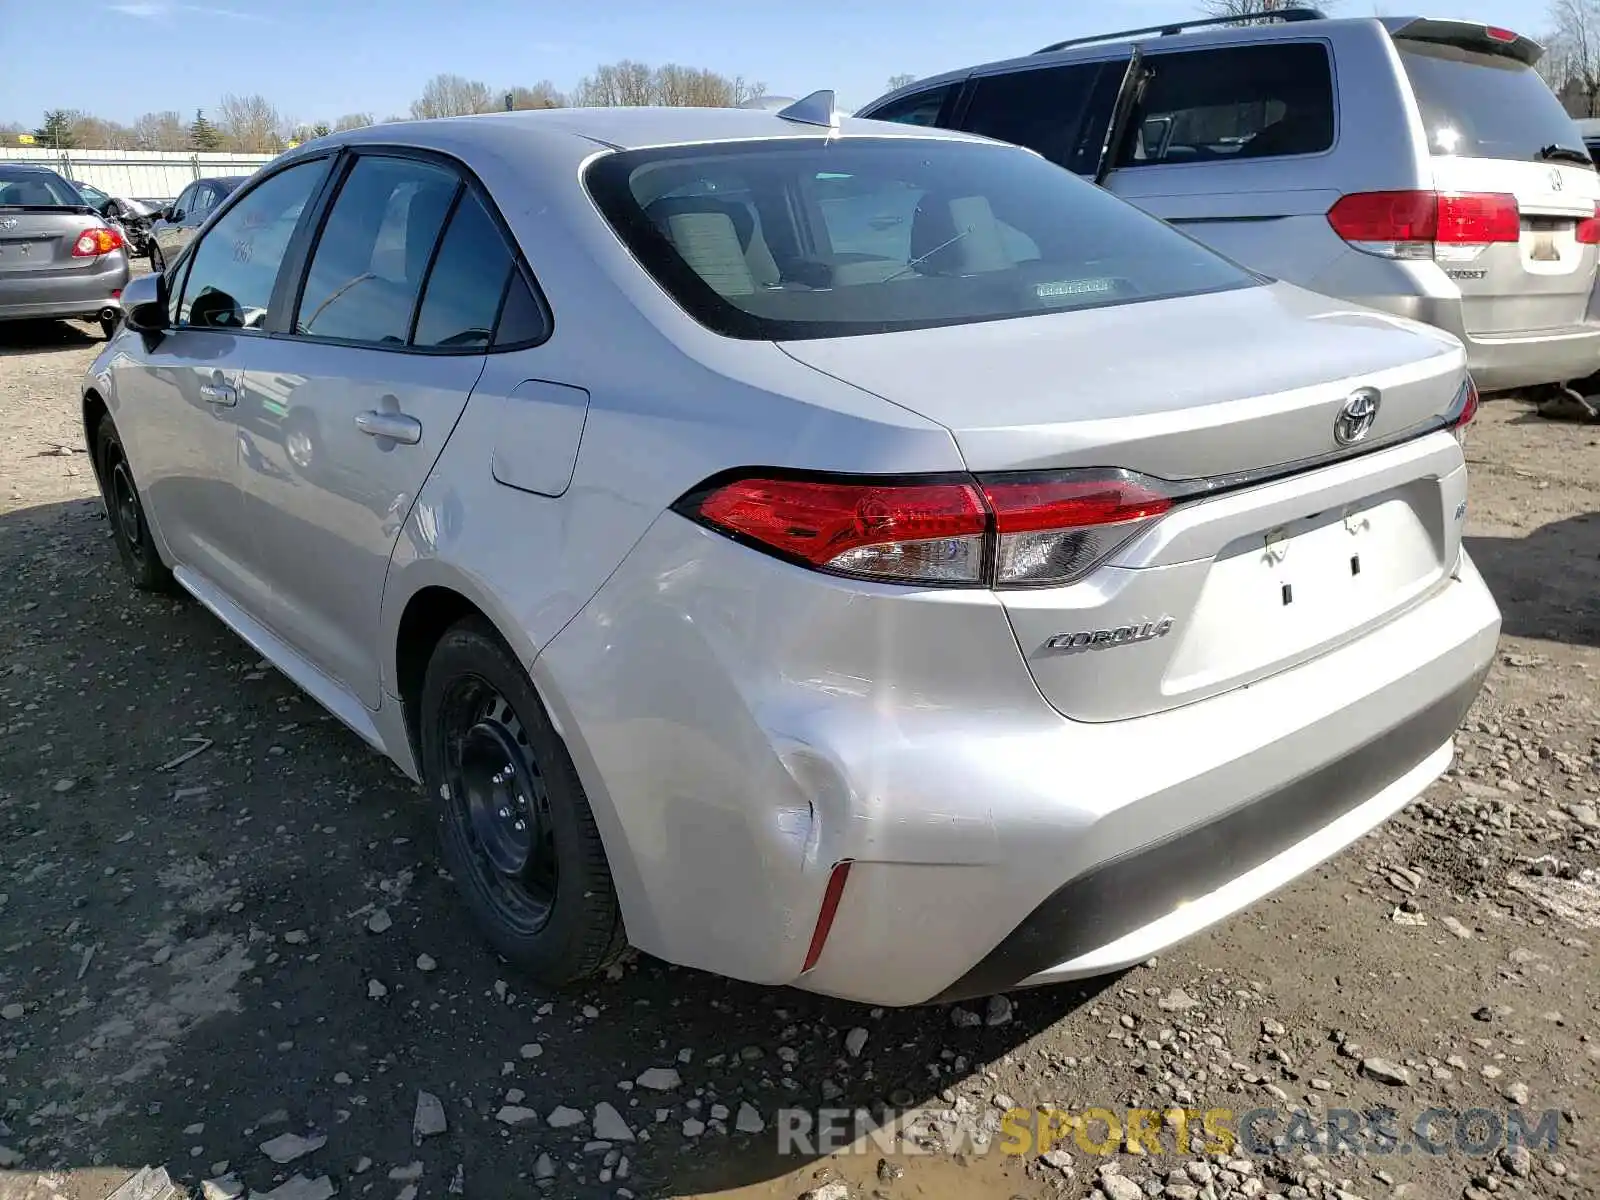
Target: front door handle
223, 395
393, 425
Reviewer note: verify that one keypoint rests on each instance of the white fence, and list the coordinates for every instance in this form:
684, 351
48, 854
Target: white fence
152, 173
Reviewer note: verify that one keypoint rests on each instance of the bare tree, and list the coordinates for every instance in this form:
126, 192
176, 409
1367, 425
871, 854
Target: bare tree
11, 134
1251, 8
353, 121
896, 82
628, 83
541, 95
452, 96
250, 124
161, 131
1571, 65
95, 133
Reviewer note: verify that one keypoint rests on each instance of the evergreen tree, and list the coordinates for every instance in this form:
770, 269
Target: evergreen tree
56, 132
203, 134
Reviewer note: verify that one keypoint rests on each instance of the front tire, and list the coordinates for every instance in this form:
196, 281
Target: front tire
125, 509
157, 263
515, 827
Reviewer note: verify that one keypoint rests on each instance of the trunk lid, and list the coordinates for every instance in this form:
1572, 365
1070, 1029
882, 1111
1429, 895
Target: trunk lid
1493, 126
1308, 546
37, 241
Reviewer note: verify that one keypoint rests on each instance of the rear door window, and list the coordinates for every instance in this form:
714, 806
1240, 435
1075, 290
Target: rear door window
923, 108
367, 269
1056, 111
1239, 103
467, 282
1478, 105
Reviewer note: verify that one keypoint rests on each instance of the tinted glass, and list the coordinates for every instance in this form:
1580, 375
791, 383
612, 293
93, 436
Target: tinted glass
234, 266
522, 318
1484, 105
821, 239
920, 109
1049, 111
34, 187
466, 283
1243, 103
91, 194
185, 200
374, 249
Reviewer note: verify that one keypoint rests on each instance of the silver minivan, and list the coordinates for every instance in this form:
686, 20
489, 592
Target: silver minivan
1415, 165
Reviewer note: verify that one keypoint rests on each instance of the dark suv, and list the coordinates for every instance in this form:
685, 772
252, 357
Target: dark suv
176, 228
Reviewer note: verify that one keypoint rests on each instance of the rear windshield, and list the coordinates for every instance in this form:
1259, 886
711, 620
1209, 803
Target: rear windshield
34, 188
1481, 105
827, 238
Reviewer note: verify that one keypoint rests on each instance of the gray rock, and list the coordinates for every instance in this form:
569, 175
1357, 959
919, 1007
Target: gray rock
150, 1183
693, 1127
429, 1120
515, 1114
828, 1191
564, 1117
608, 1124
380, 921
1177, 1000
1457, 928
287, 1147
409, 1173
1385, 1071
855, 1041
965, 1018
545, 1167
299, 1187
1517, 1160
1585, 815
9, 1158
1273, 1028
12, 1012
425, 962
999, 1011
224, 1187
748, 1119
660, 1079
531, 1050
1517, 1093
1120, 1187
1059, 1159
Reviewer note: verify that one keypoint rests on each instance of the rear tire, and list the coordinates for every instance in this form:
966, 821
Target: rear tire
125, 510
515, 827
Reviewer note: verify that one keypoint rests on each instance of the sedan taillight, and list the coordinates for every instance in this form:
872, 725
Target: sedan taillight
93, 242
1003, 531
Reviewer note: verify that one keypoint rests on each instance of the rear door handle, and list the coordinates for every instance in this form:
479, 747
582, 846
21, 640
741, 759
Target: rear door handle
393, 425
223, 395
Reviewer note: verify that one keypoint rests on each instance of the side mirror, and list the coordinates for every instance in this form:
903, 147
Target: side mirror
144, 303
173, 214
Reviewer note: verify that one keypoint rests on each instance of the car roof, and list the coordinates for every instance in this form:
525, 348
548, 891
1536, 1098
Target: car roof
585, 129
23, 168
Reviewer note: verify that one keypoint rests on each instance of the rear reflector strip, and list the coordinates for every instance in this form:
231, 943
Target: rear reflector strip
830, 908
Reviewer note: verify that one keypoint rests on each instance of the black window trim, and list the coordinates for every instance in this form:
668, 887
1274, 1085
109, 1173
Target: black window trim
177, 271
296, 267
960, 113
1152, 63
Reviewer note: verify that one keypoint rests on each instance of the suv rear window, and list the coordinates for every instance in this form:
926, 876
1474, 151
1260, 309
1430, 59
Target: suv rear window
808, 238
1480, 105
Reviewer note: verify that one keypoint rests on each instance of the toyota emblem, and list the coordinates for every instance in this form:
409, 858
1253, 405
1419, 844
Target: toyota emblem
1356, 418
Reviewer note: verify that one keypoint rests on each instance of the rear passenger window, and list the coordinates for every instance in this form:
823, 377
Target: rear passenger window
1052, 111
920, 109
522, 317
374, 250
1243, 103
466, 283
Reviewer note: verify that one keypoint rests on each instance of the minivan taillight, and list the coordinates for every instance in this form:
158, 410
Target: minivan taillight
93, 242
1422, 225
1003, 531
1589, 230
1463, 409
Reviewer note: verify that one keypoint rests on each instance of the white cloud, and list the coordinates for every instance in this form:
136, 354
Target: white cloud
154, 10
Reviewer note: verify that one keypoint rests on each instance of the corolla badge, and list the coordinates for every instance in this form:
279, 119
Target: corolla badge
1122, 635
1356, 418
8, 223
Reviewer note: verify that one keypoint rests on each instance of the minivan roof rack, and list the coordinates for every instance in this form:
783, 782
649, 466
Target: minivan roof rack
1175, 27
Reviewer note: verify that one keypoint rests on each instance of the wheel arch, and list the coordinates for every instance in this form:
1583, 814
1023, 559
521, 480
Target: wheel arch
95, 412
420, 617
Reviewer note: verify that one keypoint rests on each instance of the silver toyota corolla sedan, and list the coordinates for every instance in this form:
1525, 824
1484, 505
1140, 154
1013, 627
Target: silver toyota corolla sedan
818, 551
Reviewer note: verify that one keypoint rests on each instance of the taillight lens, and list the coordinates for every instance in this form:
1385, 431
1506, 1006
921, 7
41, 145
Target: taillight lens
910, 533
94, 242
1421, 225
1001, 531
1055, 529
1463, 409
1589, 230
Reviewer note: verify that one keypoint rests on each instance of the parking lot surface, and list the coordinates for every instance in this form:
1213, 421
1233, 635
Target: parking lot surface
227, 950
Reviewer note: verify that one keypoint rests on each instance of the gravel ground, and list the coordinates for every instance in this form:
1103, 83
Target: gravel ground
227, 952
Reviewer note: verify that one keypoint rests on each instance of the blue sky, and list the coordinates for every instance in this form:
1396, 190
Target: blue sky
316, 59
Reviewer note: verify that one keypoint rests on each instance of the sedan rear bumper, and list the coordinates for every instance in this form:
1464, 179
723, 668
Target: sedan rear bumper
65, 294
739, 742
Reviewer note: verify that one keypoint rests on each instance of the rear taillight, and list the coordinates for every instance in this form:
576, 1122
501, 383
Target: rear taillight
1422, 225
1463, 409
93, 242
1000, 531
1589, 230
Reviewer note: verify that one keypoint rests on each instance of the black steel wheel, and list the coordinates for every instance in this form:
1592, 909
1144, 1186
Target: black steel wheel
516, 829
129, 530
